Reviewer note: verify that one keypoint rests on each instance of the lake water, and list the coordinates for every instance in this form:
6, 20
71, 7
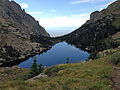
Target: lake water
58, 55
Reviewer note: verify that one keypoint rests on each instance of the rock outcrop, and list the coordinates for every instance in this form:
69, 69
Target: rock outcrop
15, 15
38, 77
96, 33
17, 29
112, 9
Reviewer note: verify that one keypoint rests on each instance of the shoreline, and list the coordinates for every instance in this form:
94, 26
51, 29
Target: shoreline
24, 58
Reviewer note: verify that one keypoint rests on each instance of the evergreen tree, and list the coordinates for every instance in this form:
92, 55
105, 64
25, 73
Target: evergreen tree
40, 68
93, 55
67, 60
34, 68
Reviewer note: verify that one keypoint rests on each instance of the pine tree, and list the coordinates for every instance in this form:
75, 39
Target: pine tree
34, 68
40, 68
67, 60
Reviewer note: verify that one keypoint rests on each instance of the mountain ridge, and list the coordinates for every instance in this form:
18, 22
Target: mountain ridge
13, 11
96, 33
18, 34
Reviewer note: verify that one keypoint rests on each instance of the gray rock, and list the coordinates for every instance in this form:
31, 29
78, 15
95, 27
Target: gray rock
37, 77
113, 8
13, 12
16, 29
102, 25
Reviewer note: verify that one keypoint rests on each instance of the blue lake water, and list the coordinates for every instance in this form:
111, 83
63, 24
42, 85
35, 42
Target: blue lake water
58, 55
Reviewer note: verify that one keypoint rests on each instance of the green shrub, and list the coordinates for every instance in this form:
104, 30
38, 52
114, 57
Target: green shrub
67, 62
93, 55
52, 70
115, 58
35, 69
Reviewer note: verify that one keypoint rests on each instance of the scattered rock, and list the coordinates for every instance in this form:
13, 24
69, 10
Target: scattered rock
42, 75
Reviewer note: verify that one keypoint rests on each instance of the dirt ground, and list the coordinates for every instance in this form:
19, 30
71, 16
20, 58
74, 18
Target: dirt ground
116, 78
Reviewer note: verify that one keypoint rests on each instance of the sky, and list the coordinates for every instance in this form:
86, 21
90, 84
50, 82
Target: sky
62, 16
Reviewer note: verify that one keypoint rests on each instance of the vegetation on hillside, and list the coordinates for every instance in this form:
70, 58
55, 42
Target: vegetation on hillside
87, 75
35, 69
90, 75
94, 74
96, 33
115, 58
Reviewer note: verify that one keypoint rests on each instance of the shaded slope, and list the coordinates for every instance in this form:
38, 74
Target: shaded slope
18, 34
96, 33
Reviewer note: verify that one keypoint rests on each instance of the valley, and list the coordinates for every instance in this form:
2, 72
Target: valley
87, 58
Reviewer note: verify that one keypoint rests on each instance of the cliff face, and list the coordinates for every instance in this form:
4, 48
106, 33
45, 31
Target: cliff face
12, 12
96, 33
17, 29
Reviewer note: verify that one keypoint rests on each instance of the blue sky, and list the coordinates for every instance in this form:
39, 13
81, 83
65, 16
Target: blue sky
62, 14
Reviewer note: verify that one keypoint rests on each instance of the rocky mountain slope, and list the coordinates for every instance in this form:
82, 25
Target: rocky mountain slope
18, 33
100, 32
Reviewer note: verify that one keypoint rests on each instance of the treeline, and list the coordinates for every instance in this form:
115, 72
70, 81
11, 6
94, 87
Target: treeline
45, 41
8, 52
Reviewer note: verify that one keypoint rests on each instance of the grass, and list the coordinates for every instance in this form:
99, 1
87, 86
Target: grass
89, 75
11, 74
94, 75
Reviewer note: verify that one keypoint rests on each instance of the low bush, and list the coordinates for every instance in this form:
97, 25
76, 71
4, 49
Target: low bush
52, 70
115, 58
93, 55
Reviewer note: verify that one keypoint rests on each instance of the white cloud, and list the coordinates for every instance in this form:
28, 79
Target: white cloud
75, 20
24, 5
85, 9
84, 1
101, 7
81, 15
79, 1
104, 6
53, 10
65, 21
35, 12
111, 2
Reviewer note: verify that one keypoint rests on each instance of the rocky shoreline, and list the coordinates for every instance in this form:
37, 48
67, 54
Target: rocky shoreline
23, 58
21, 36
